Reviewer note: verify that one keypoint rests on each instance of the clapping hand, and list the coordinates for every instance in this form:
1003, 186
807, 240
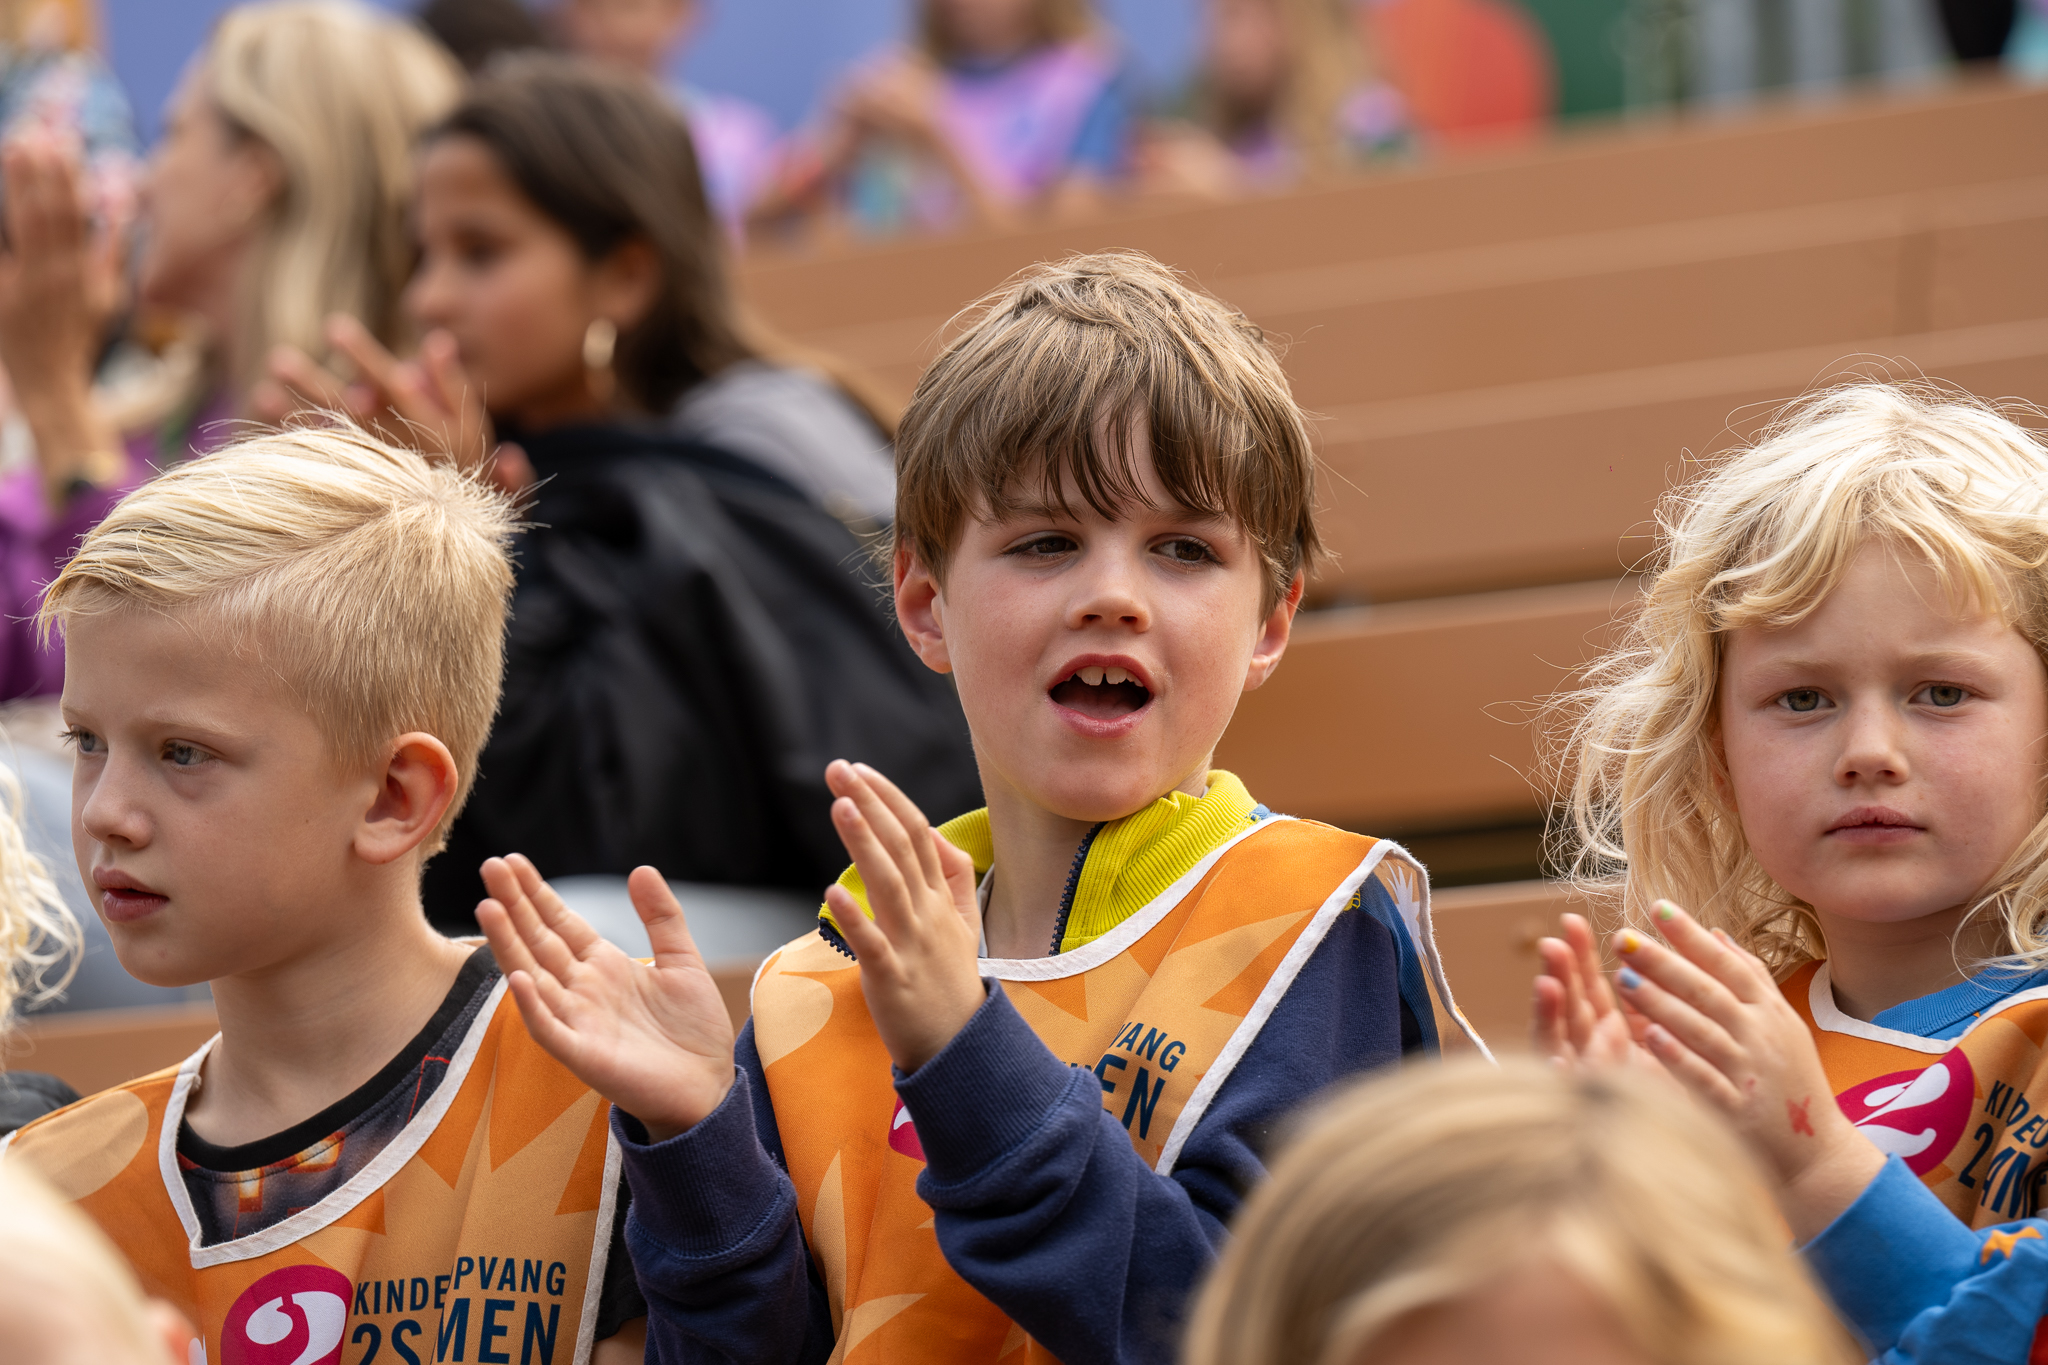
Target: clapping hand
1576, 1018
918, 955
426, 403
654, 1040
1717, 1021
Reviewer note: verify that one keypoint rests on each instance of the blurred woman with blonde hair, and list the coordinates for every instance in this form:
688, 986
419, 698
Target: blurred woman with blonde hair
1518, 1214
275, 198
1285, 91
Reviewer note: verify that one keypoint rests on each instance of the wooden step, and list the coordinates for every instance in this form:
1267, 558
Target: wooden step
1417, 715
1486, 936
1558, 481
1616, 178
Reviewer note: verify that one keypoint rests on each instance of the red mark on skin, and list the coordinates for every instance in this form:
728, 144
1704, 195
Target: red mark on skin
1797, 1114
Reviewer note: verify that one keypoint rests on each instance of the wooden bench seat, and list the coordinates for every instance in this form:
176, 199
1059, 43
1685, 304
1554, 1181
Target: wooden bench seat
1415, 716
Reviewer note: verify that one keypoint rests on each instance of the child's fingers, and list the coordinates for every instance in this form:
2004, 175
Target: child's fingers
507, 947
667, 931
871, 947
1705, 1080
1546, 1021
572, 928
911, 818
550, 956
890, 836
1681, 977
958, 870
888, 893
551, 1033
374, 364
1705, 951
1681, 1019
1585, 944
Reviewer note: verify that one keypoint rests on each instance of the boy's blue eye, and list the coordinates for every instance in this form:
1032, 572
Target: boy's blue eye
1945, 694
85, 741
184, 755
1805, 699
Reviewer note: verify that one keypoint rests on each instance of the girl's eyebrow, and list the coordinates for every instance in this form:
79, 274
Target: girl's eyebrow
1925, 659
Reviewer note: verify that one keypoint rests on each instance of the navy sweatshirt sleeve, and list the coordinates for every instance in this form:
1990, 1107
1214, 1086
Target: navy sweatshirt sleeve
714, 1236
1921, 1287
1040, 1201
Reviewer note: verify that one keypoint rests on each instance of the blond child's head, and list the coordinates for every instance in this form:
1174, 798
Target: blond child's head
281, 663
1831, 705
66, 1296
1514, 1213
1105, 511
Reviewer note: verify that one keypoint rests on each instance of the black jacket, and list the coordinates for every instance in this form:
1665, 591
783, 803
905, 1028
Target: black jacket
691, 642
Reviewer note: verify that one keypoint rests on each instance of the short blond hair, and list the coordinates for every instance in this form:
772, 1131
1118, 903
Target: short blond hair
40, 943
65, 1292
1759, 541
372, 581
1062, 367
341, 93
1406, 1192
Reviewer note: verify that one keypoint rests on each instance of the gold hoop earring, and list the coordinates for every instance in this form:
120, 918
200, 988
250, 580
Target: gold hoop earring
600, 342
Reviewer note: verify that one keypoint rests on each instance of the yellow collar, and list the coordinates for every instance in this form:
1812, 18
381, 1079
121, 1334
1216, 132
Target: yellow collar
1129, 863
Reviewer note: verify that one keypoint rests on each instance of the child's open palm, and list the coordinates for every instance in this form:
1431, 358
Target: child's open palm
654, 1040
1722, 1027
918, 955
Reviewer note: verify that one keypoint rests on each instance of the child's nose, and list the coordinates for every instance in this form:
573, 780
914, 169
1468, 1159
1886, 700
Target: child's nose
1873, 749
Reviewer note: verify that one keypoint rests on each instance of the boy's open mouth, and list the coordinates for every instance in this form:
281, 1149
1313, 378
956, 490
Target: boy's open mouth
1101, 693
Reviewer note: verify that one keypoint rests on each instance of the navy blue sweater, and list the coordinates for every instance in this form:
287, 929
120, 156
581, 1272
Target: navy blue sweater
1039, 1200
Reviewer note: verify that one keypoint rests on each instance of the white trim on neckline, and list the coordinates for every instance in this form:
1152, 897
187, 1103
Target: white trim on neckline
1828, 1016
338, 1203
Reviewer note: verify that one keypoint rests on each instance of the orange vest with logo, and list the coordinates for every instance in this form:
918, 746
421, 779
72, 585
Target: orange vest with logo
1968, 1115
1161, 1007
478, 1235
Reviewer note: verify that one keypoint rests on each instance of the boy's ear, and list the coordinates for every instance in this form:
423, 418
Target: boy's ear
921, 611
415, 788
1273, 634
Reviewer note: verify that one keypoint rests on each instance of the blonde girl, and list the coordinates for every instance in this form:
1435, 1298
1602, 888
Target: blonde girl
1827, 735
1514, 1214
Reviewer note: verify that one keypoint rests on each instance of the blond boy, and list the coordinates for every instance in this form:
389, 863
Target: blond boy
1016, 1128
281, 662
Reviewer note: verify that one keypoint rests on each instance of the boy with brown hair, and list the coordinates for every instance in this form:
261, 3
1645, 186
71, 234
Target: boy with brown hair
1003, 1104
281, 662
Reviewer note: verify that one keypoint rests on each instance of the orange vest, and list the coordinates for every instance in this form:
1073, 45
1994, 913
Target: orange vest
478, 1235
1968, 1115
1161, 1007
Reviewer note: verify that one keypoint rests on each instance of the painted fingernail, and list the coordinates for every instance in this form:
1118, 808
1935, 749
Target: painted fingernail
1629, 978
1665, 910
1630, 940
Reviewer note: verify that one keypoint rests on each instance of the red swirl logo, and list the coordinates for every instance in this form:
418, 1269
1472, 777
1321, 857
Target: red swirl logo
1917, 1116
292, 1316
903, 1134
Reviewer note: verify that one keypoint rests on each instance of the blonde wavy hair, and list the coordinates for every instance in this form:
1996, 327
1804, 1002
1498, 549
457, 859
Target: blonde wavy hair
339, 93
39, 940
1759, 541
1407, 1192
372, 581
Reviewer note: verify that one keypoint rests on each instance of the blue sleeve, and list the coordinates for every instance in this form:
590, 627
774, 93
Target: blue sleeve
1921, 1287
714, 1235
1042, 1204
1102, 148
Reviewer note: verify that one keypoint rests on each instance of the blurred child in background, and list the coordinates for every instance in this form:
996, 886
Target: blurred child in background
1828, 735
736, 141
39, 949
66, 1296
999, 108
276, 196
1284, 91
1520, 1215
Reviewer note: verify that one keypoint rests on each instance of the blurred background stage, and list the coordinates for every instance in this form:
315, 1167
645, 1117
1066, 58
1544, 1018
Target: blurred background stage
1516, 341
